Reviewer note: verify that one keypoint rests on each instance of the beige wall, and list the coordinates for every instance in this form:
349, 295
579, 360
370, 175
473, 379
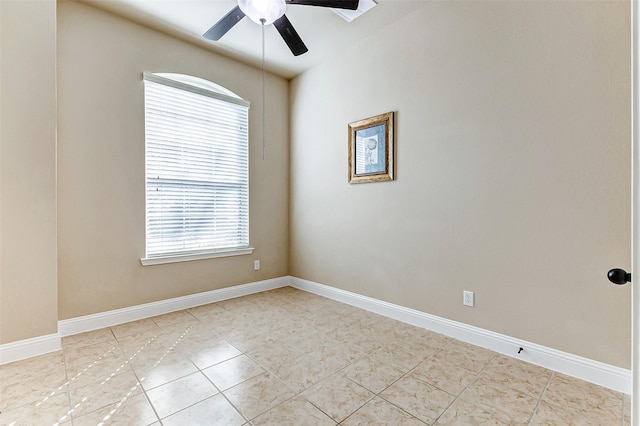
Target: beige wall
513, 177
101, 165
28, 276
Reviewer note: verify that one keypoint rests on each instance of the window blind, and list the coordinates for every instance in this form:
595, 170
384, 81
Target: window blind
197, 180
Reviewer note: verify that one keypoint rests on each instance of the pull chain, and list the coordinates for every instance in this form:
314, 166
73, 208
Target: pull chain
263, 102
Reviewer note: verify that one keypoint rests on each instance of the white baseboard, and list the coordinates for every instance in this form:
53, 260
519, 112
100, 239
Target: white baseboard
41, 345
119, 316
602, 374
612, 377
27, 348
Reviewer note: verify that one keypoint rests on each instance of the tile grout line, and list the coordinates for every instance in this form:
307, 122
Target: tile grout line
247, 420
465, 388
138, 381
402, 377
296, 393
266, 370
368, 354
198, 369
67, 388
245, 417
128, 362
378, 394
407, 373
544, 390
299, 393
142, 388
86, 367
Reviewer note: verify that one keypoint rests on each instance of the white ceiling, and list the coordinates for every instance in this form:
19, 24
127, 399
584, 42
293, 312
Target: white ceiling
322, 30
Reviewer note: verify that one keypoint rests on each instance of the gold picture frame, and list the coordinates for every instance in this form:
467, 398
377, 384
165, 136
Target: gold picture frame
371, 149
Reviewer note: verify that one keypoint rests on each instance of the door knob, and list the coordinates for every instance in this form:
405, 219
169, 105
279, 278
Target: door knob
619, 276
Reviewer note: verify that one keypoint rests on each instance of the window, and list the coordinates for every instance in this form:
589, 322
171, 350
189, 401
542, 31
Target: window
197, 170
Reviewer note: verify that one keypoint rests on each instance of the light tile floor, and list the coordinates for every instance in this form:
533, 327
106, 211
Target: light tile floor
287, 357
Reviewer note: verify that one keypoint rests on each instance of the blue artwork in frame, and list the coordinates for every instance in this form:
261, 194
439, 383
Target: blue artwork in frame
371, 149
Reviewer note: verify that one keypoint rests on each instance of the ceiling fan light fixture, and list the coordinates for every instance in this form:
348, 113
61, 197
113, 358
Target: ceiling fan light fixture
259, 10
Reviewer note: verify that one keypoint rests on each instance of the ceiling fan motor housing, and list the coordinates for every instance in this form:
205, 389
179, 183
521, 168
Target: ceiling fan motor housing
259, 10
265, 12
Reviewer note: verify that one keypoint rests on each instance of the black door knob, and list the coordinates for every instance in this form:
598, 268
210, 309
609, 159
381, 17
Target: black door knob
619, 276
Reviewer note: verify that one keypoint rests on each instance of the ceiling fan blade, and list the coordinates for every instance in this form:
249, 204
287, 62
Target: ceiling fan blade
337, 4
290, 36
225, 24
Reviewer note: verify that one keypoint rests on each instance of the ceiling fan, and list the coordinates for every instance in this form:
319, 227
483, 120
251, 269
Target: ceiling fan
265, 12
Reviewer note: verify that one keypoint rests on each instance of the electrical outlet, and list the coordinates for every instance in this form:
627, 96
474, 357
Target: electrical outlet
468, 298
256, 265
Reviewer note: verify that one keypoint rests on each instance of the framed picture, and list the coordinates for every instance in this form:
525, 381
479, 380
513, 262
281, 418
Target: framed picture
371, 149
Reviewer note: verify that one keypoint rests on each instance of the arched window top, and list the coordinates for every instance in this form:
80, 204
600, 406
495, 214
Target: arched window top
195, 85
197, 82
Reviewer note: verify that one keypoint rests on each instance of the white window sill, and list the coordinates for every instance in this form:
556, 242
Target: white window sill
148, 261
